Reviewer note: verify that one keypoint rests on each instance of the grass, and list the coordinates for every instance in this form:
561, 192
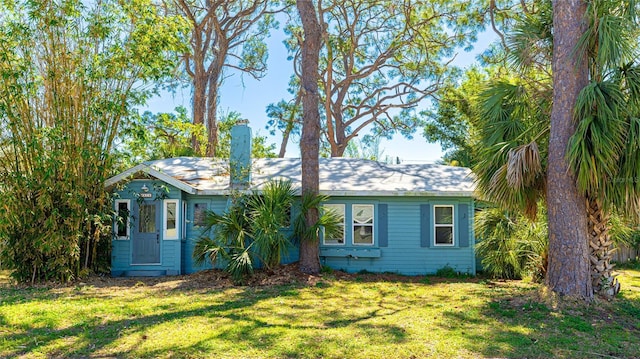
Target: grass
359, 316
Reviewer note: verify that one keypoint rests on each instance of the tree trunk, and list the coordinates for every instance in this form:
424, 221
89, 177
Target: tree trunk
285, 141
603, 281
199, 104
212, 121
569, 268
310, 141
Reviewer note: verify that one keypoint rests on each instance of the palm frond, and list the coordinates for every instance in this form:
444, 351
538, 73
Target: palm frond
597, 145
524, 166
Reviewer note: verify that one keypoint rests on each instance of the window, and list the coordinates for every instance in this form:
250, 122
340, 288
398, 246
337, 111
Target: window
199, 214
122, 225
338, 238
362, 224
147, 217
287, 217
171, 219
443, 225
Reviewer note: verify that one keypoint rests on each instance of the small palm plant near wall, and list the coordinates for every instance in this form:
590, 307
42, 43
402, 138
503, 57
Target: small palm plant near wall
255, 229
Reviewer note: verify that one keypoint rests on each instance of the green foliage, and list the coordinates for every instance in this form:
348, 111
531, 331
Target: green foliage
250, 232
446, 272
329, 222
68, 75
155, 136
380, 59
511, 246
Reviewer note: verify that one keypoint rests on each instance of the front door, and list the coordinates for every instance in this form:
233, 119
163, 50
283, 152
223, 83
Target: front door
146, 233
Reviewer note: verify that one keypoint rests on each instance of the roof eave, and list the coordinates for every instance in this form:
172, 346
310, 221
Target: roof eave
126, 175
361, 193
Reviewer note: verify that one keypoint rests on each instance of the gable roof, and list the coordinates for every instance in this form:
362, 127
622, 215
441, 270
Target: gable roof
338, 176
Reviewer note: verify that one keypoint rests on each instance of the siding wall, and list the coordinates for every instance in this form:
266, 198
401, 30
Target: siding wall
406, 252
403, 243
217, 204
170, 250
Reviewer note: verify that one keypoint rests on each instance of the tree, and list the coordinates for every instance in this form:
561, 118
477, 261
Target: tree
69, 74
225, 34
286, 116
153, 136
380, 59
310, 141
592, 146
569, 271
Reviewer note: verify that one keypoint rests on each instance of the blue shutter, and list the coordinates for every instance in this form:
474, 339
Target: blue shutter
425, 230
383, 225
463, 225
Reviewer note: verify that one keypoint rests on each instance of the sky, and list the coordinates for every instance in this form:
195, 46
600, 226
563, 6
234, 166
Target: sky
250, 97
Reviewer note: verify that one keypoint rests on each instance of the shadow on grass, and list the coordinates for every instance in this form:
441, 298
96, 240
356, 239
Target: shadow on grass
519, 326
248, 330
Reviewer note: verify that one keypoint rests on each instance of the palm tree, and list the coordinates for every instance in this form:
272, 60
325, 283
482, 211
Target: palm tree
604, 151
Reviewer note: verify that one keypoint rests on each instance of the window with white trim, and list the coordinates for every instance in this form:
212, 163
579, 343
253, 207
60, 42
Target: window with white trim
200, 214
171, 217
122, 225
362, 218
443, 225
338, 238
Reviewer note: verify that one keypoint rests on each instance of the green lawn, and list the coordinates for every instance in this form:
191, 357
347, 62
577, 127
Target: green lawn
338, 316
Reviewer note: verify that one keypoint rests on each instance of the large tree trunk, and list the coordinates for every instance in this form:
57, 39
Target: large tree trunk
199, 104
569, 268
212, 121
604, 282
310, 141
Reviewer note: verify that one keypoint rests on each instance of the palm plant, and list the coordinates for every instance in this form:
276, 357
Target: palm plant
512, 246
253, 230
603, 153
329, 222
250, 232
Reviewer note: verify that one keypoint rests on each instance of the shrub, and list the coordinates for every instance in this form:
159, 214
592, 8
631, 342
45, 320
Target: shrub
250, 232
511, 246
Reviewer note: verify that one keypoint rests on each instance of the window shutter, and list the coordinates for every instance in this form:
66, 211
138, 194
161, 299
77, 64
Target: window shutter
463, 225
383, 225
425, 229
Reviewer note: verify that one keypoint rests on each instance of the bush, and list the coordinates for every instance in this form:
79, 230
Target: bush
250, 232
511, 246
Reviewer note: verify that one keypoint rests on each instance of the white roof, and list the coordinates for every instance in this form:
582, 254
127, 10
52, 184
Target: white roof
338, 176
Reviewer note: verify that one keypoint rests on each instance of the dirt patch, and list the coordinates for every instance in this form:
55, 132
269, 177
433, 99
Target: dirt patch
216, 278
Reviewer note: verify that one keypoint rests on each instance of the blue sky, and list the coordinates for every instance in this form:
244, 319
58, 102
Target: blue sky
250, 98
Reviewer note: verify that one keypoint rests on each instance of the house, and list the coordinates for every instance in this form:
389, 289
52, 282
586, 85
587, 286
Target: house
403, 218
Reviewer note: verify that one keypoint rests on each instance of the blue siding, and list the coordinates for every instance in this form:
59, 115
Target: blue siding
425, 236
217, 204
170, 250
463, 224
383, 225
406, 252
403, 237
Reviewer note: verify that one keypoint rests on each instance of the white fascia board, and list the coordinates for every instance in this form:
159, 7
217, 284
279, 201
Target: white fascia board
152, 172
398, 193
226, 192
125, 175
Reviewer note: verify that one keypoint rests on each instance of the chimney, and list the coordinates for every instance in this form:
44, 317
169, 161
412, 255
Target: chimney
240, 155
